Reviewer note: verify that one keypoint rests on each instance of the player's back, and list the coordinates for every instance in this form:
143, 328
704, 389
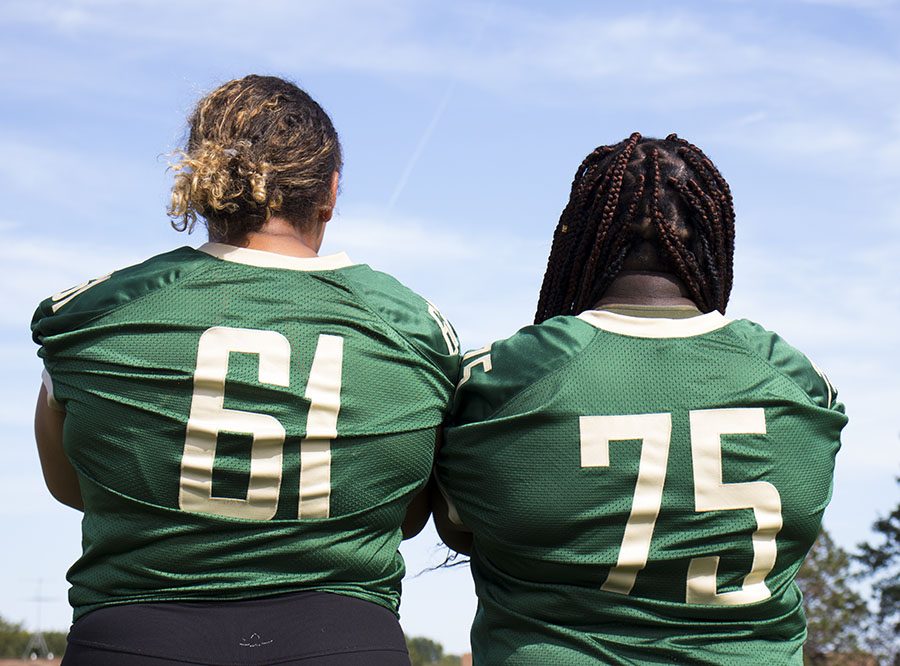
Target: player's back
245, 424
640, 490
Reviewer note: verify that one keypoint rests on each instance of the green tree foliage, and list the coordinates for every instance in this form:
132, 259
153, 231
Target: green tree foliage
14, 640
426, 652
56, 641
881, 561
837, 616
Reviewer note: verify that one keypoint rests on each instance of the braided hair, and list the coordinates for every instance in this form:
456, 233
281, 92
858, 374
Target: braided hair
665, 193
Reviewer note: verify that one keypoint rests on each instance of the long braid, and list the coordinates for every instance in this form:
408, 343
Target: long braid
562, 240
621, 245
619, 190
562, 259
710, 235
685, 264
717, 188
606, 227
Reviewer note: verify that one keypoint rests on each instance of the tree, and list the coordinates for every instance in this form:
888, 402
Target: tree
426, 652
14, 639
837, 616
56, 641
882, 564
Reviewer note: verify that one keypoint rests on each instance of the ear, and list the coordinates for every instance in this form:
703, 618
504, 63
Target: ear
326, 210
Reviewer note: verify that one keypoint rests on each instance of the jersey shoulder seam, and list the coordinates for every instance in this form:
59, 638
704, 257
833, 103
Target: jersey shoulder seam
743, 347
533, 385
349, 284
140, 298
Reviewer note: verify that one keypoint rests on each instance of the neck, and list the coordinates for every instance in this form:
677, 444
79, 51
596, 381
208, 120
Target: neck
646, 288
281, 237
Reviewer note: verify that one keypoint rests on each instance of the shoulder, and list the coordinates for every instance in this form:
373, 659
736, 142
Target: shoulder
74, 307
788, 361
494, 375
413, 317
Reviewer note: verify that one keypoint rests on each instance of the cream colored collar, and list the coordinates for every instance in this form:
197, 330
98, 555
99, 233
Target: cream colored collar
263, 259
649, 327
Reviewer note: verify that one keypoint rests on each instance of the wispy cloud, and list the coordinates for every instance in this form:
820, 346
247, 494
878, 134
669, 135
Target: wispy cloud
844, 309
41, 175
669, 47
389, 241
488, 271
855, 4
485, 282
845, 317
810, 94
37, 266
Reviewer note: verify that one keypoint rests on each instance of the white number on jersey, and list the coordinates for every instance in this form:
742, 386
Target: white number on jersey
64, 297
208, 417
324, 394
446, 329
484, 361
710, 494
654, 432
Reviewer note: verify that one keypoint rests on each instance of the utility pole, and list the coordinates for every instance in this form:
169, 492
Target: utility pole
37, 644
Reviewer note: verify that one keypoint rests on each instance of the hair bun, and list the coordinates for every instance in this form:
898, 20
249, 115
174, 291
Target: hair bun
257, 145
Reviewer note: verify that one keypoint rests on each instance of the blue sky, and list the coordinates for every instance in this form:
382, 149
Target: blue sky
462, 125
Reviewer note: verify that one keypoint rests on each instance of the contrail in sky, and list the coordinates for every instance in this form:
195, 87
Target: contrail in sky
435, 119
420, 146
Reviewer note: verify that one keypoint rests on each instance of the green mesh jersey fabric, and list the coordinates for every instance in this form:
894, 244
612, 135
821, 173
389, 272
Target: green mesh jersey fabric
244, 424
641, 491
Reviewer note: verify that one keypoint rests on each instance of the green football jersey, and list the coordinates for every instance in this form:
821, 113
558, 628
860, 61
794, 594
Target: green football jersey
244, 423
640, 490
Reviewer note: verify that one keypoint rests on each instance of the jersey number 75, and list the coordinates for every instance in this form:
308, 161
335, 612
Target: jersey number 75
710, 494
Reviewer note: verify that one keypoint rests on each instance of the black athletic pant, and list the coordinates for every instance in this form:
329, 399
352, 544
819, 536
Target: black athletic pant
306, 628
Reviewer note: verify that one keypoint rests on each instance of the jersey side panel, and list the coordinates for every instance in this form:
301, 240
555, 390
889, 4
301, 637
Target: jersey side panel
550, 522
364, 424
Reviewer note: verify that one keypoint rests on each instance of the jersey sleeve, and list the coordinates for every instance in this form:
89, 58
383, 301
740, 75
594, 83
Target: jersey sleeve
55, 324
492, 376
415, 319
62, 322
75, 307
793, 364
68, 309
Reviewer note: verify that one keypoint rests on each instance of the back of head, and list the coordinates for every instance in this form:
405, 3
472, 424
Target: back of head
258, 146
642, 205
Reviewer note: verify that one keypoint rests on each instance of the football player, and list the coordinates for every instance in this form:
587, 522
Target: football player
248, 425
637, 477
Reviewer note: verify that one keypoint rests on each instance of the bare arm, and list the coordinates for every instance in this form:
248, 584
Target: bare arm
59, 475
456, 536
417, 513
420, 507
453, 534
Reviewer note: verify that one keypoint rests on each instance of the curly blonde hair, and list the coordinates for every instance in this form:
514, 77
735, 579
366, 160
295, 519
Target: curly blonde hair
257, 146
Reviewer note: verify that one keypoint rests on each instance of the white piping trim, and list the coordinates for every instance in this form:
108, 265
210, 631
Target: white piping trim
452, 513
825, 379
476, 352
265, 259
653, 327
47, 381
